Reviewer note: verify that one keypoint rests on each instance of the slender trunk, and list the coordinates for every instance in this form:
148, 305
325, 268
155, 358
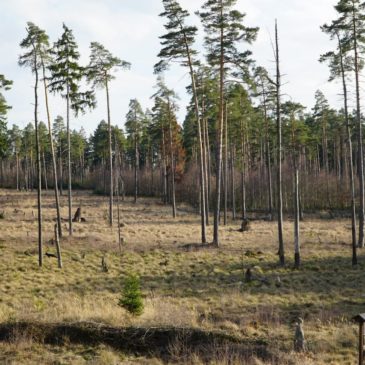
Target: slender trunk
54, 165
117, 192
45, 171
225, 165
61, 167
58, 248
219, 137
208, 173
205, 161
173, 200
39, 168
279, 151
69, 167
350, 160
360, 142
296, 216
110, 155
233, 186
17, 171
267, 145
136, 165
243, 174
197, 114
164, 167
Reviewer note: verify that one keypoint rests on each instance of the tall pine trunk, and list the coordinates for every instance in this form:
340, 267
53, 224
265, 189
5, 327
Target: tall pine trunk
54, 164
225, 164
296, 215
219, 138
69, 167
110, 156
200, 141
173, 199
39, 168
360, 142
350, 158
279, 151
136, 165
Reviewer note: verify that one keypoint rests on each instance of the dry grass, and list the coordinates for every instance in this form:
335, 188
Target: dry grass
194, 288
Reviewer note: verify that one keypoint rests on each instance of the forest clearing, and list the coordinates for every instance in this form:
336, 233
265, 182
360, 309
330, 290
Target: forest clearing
184, 284
201, 201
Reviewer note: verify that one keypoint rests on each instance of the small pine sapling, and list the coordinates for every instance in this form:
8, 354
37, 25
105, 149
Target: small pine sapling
131, 298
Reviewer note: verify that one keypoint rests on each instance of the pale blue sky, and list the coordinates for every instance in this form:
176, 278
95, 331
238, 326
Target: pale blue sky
130, 30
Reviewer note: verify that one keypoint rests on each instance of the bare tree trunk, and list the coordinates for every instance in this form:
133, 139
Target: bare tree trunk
117, 192
219, 140
205, 160
45, 171
164, 168
279, 151
233, 186
225, 164
243, 174
173, 200
58, 248
61, 167
110, 156
17, 171
69, 167
296, 216
208, 173
54, 165
200, 140
360, 142
350, 160
136, 165
39, 167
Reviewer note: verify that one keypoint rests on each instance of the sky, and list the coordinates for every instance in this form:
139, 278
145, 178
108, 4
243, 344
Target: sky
129, 29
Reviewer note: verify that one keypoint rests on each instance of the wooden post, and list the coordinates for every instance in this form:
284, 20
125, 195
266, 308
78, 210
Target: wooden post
361, 343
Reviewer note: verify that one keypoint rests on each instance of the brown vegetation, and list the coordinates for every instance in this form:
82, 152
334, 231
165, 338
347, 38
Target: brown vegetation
202, 289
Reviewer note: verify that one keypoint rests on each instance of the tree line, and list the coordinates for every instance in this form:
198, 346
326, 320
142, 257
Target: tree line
243, 146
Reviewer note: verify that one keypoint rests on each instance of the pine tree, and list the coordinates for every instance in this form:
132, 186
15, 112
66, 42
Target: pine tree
135, 126
66, 75
296, 131
351, 21
102, 64
4, 85
279, 147
340, 64
178, 46
166, 103
131, 298
265, 90
34, 44
224, 31
16, 143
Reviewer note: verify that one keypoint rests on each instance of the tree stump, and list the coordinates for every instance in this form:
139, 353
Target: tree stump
299, 341
77, 216
245, 225
104, 265
248, 275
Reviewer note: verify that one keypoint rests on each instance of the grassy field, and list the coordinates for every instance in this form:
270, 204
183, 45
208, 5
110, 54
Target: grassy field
184, 285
